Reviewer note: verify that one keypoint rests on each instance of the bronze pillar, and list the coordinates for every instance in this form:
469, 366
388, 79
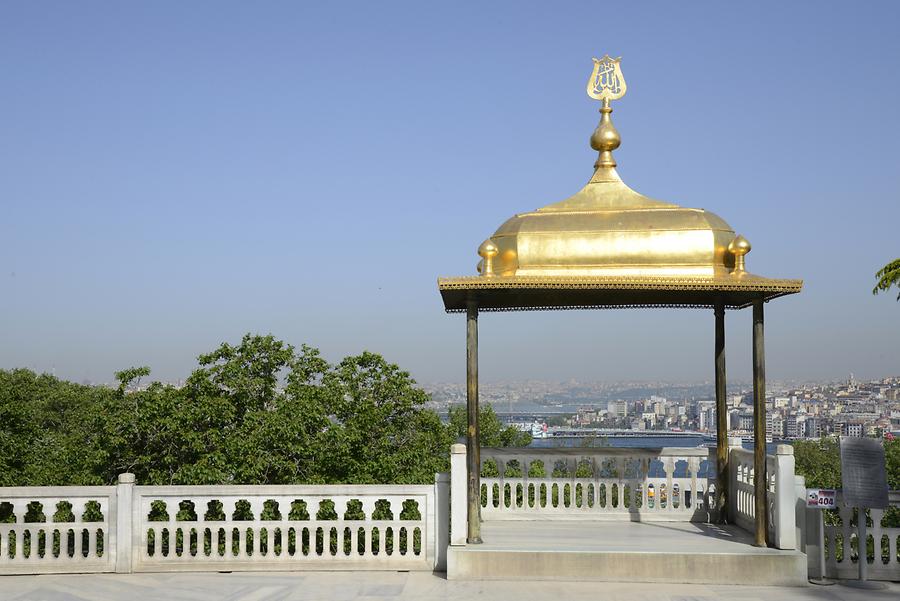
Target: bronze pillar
721, 417
759, 424
473, 449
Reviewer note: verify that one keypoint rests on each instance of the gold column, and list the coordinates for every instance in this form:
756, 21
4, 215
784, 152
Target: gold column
759, 423
473, 449
721, 501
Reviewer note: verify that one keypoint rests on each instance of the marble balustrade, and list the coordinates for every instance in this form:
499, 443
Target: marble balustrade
841, 541
129, 528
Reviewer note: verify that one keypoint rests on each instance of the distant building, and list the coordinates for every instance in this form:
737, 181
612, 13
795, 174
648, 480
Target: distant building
710, 413
856, 429
791, 429
812, 427
774, 426
617, 409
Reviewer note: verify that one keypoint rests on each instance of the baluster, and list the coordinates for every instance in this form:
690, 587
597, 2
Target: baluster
621, 468
876, 533
32, 546
524, 466
574, 484
106, 549
36, 544
92, 543
20, 509
354, 539
694, 466
243, 541
368, 504
590, 485
229, 536
258, 526
846, 516
669, 467
501, 477
599, 481
892, 547
20, 545
645, 483
213, 540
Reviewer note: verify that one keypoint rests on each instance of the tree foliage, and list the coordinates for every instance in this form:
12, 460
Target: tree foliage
258, 412
888, 276
491, 432
819, 462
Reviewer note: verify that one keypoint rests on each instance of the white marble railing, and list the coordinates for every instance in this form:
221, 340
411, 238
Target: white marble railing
841, 542
209, 528
57, 529
595, 483
780, 493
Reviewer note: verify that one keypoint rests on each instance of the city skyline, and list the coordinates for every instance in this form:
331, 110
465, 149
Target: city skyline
172, 181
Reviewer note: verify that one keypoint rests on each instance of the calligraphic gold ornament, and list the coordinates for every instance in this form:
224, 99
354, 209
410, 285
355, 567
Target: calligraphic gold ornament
607, 81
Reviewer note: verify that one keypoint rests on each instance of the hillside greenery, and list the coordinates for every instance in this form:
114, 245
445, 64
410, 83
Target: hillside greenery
258, 412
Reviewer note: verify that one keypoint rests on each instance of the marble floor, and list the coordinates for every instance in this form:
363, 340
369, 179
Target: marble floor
338, 586
619, 536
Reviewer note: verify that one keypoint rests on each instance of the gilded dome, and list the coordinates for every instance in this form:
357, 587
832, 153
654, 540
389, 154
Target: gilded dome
607, 228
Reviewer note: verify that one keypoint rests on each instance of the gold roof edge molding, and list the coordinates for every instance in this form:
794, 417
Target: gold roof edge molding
749, 283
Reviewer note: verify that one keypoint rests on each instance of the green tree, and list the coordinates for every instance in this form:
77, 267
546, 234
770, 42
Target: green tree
379, 430
819, 462
257, 412
491, 431
888, 276
46, 431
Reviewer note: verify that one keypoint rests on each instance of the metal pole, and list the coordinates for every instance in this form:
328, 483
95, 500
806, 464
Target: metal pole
473, 449
822, 566
759, 424
721, 417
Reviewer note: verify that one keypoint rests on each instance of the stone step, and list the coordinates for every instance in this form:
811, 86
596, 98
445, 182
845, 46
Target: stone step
630, 552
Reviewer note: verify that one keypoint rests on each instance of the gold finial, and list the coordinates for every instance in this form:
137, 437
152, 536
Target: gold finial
739, 247
488, 250
606, 83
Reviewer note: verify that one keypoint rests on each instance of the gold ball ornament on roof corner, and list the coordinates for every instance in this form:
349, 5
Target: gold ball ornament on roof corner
487, 251
739, 247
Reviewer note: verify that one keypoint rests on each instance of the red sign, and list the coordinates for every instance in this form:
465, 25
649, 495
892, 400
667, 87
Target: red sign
820, 498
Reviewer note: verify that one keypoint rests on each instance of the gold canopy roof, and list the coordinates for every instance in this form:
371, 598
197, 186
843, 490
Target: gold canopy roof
609, 246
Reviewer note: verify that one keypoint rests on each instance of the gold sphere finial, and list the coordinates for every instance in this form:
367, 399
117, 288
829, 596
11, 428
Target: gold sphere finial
605, 138
739, 247
487, 251
606, 83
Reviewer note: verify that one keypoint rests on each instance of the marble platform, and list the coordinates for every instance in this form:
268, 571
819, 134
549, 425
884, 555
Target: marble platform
665, 552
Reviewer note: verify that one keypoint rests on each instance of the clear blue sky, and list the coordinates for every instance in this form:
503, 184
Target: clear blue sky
174, 174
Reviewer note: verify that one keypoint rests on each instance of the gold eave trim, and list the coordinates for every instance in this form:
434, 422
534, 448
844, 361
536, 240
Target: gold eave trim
747, 283
739, 291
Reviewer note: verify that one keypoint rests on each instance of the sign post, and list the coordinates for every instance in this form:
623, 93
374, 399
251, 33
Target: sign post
864, 481
820, 498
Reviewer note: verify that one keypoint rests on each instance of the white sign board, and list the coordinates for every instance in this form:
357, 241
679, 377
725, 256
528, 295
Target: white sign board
863, 474
820, 498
